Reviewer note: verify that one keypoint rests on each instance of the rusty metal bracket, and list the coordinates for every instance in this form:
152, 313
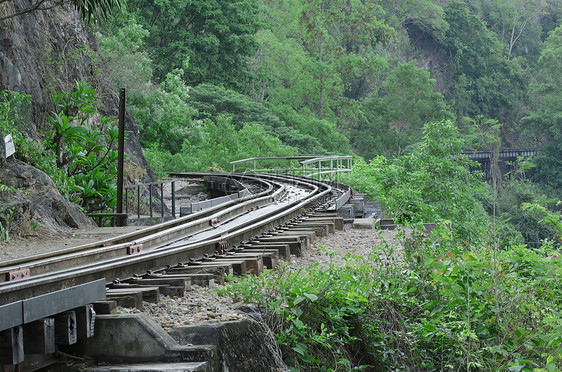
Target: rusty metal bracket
17, 274
134, 249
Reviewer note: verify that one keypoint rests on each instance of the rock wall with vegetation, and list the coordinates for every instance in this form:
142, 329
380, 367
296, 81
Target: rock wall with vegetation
60, 106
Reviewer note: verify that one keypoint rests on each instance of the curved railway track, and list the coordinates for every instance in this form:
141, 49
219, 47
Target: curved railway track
42, 286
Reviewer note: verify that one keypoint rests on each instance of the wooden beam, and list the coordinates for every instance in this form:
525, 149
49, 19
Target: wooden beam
11, 346
65, 328
39, 336
85, 321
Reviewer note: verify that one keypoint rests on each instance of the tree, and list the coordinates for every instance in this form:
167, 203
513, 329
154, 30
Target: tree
215, 37
430, 184
545, 122
302, 130
340, 37
513, 18
90, 10
395, 117
483, 82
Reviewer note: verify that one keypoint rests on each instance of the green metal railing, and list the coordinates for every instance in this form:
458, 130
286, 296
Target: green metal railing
330, 168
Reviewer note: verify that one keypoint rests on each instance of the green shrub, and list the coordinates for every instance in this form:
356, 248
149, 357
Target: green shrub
78, 149
444, 305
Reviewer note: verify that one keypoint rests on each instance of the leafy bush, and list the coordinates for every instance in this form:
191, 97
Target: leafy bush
431, 184
433, 304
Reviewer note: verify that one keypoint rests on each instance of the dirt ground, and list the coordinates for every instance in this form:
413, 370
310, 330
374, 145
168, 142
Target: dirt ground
45, 241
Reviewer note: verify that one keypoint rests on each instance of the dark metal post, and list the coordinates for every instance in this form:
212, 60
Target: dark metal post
127, 201
174, 199
150, 198
162, 197
138, 202
120, 155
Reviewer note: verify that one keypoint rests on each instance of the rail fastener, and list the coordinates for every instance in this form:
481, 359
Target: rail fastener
134, 249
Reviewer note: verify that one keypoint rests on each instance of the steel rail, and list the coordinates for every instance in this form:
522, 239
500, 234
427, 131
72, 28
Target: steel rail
132, 236
124, 266
146, 242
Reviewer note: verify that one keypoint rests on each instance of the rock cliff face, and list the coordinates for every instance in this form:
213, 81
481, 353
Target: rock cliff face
45, 52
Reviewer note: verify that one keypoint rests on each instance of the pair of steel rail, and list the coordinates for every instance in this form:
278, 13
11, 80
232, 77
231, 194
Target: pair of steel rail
38, 287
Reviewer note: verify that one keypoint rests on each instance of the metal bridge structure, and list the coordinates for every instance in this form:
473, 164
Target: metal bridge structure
505, 156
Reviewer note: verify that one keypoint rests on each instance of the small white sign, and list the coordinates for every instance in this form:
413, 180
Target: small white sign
10, 149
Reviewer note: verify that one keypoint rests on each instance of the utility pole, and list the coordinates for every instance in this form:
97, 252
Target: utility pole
120, 155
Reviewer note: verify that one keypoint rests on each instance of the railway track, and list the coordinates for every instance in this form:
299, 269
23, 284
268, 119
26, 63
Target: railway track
37, 291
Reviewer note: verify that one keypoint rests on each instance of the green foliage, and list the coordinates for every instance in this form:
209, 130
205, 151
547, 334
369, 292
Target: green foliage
517, 225
164, 117
432, 304
124, 53
484, 83
214, 36
431, 184
219, 143
84, 146
297, 129
395, 117
317, 313
546, 120
90, 10
77, 151
549, 167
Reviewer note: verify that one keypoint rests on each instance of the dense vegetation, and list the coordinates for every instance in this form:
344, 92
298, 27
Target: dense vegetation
403, 85
77, 147
466, 297
308, 72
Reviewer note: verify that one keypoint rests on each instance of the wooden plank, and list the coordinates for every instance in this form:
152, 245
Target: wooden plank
130, 298
217, 271
283, 250
270, 256
337, 221
11, 346
200, 279
105, 307
238, 266
85, 321
167, 285
39, 336
330, 226
65, 328
254, 262
296, 247
148, 293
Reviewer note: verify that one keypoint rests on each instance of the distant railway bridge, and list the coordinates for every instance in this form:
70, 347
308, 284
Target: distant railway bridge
505, 158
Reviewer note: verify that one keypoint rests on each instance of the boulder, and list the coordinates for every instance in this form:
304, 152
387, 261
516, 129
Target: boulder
36, 198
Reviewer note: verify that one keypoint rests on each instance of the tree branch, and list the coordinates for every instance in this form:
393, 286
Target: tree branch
35, 7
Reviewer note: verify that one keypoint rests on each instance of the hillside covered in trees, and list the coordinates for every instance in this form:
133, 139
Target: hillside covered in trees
404, 86
317, 77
